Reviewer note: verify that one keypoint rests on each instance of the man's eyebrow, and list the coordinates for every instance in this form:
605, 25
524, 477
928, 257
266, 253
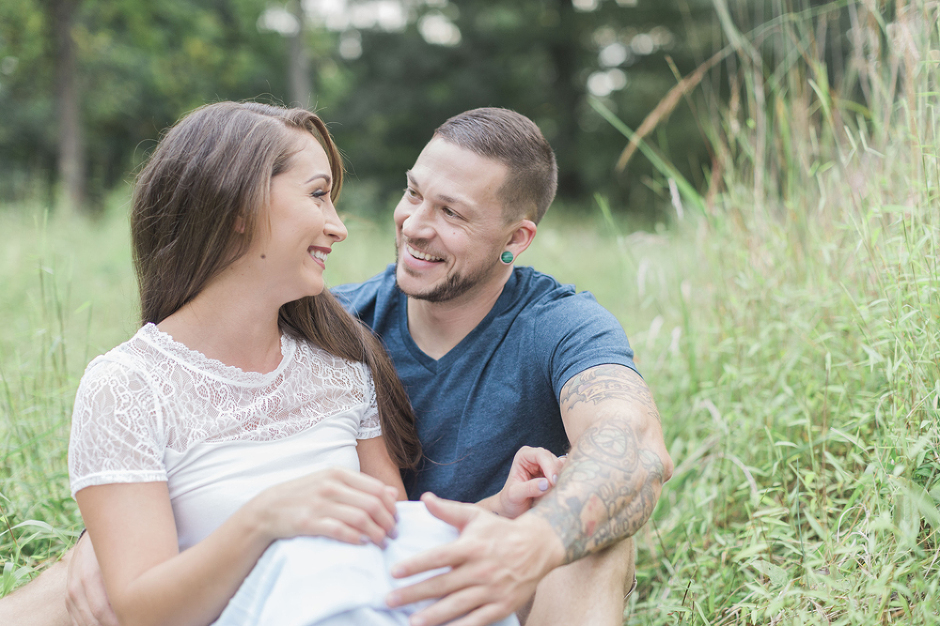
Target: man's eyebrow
441, 198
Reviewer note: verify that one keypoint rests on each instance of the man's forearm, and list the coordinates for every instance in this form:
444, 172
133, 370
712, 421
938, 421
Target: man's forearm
618, 464
607, 490
40, 602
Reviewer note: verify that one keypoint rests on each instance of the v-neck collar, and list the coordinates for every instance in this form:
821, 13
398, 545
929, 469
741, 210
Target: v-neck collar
439, 365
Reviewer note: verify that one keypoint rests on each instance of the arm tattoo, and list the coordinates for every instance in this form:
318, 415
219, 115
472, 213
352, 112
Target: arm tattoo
607, 382
610, 484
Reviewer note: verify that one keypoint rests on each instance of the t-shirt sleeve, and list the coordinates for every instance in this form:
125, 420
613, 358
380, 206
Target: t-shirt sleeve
369, 425
115, 428
580, 334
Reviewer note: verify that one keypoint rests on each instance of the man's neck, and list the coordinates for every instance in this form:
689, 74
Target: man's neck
437, 327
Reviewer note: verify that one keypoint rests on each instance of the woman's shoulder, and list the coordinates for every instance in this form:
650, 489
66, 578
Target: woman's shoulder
132, 357
329, 369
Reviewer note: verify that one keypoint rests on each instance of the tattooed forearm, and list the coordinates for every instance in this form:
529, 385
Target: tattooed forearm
613, 476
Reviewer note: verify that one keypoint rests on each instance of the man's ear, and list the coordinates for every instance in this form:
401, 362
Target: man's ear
521, 236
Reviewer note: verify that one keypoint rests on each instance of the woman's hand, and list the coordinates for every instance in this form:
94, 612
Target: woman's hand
534, 471
337, 503
150, 581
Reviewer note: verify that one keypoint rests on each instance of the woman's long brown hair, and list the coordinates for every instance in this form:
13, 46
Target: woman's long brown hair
197, 205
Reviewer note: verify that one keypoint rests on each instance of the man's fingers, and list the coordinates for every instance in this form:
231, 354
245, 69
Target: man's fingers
457, 514
484, 615
443, 556
462, 603
86, 599
444, 586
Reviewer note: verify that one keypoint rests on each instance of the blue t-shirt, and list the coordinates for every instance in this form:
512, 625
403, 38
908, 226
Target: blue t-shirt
497, 390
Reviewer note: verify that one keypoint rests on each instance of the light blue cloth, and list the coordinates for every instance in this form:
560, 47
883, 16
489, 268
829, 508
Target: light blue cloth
314, 581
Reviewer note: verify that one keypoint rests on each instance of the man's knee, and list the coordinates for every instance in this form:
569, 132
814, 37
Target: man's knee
40, 602
591, 590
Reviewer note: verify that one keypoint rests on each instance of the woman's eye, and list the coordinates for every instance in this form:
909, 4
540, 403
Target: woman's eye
319, 193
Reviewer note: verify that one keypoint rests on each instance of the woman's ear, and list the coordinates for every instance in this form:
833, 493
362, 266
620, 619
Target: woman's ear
240, 225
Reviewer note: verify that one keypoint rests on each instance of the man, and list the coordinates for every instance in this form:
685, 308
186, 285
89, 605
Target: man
494, 358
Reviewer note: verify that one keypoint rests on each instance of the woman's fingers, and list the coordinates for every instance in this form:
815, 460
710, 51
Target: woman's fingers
533, 462
336, 503
549, 464
349, 524
529, 490
367, 484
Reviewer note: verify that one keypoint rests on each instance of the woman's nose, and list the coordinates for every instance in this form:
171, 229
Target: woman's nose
334, 226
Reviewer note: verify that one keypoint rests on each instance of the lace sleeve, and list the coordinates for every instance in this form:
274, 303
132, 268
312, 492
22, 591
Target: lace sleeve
115, 428
369, 425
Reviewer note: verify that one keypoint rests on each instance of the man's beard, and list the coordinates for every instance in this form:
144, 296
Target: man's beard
456, 284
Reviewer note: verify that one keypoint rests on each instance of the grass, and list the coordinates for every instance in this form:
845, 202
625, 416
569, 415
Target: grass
790, 330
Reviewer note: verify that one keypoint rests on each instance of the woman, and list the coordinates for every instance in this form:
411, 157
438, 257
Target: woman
244, 411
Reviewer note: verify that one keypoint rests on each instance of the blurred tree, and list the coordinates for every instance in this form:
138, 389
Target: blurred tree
71, 144
140, 65
384, 73
299, 61
543, 58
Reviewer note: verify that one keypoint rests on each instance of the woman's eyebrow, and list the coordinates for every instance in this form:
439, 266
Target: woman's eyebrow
325, 177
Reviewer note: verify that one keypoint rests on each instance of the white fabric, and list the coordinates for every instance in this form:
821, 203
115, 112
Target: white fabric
152, 410
312, 581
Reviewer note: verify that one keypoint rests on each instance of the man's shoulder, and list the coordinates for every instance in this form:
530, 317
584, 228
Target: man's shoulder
570, 328
359, 296
539, 294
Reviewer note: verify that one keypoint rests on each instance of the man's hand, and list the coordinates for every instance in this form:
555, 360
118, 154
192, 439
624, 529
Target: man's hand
86, 599
495, 564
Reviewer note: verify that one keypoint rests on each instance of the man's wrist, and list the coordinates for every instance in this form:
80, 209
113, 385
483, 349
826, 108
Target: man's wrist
545, 538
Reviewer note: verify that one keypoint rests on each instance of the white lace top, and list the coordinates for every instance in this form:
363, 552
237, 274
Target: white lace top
152, 410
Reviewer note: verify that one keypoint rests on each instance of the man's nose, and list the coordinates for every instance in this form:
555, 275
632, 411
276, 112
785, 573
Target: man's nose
417, 222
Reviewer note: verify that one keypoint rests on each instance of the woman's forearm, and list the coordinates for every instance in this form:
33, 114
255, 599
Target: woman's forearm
149, 581
193, 587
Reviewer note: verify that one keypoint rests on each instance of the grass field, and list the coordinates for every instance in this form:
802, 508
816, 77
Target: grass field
790, 330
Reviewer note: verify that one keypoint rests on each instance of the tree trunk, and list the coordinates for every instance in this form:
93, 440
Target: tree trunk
298, 76
563, 51
71, 164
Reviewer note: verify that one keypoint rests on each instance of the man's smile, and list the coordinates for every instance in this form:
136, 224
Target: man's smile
421, 255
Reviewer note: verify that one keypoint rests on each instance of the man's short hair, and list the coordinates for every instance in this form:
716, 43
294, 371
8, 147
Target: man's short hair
514, 140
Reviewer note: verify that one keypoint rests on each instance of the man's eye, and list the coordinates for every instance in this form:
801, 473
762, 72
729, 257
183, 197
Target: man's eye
448, 212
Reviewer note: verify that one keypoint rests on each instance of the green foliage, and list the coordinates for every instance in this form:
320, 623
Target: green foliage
536, 58
68, 295
800, 391
141, 65
791, 335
